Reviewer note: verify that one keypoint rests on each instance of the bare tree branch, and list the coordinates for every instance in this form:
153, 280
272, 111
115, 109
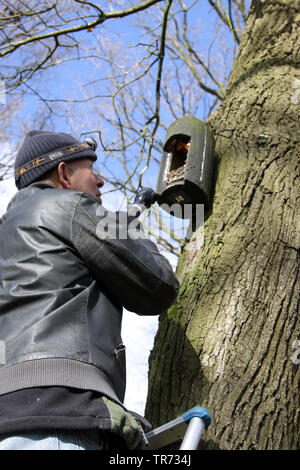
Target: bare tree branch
158, 85
85, 26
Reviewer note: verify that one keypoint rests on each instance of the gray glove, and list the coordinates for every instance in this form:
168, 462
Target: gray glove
144, 198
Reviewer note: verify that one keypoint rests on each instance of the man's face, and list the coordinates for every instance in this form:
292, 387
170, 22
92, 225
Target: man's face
83, 178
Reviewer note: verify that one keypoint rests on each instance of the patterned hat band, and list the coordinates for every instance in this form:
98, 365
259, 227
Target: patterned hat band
50, 157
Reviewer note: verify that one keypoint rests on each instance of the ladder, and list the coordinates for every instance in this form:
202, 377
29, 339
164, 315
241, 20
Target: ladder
187, 427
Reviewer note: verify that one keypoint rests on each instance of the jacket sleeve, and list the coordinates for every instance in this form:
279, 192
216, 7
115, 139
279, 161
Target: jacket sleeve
127, 266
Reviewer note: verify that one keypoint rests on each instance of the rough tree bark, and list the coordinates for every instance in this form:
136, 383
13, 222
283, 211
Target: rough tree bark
227, 343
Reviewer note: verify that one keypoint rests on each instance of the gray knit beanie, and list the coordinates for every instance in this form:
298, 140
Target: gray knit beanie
42, 151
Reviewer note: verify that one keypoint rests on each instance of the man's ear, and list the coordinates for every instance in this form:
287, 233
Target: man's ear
64, 174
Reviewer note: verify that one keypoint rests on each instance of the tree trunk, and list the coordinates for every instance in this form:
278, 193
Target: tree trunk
230, 341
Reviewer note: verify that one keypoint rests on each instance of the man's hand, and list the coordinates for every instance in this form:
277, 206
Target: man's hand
145, 197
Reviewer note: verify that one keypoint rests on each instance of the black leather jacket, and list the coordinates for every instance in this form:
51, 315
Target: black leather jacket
64, 280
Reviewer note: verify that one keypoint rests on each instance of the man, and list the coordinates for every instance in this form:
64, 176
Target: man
64, 279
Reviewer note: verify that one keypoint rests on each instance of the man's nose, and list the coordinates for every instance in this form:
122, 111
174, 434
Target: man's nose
100, 181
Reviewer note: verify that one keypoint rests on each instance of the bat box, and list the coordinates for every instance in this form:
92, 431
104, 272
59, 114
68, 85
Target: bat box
186, 167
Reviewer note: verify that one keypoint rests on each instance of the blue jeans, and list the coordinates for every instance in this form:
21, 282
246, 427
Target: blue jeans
53, 440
